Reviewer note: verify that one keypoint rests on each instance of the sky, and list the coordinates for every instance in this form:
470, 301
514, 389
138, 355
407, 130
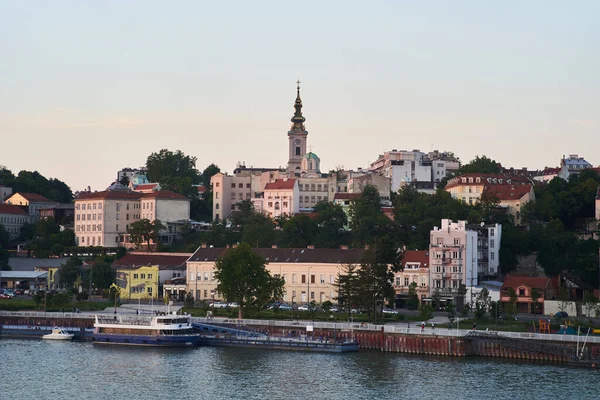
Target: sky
90, 87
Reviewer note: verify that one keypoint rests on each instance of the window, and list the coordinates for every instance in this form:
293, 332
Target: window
149, 290
217, 195
492, 243
135, 276
457, 242
217, 184
440, 240
240, 185
397, 281
149, 276
206, 276
521, 292
143, 276
217, 206
117, 216
322, 278
303, 279
293, 278
406, 283
233, 185
126, 217
297, 151
205, 292
247, 186
492, 232
492, 255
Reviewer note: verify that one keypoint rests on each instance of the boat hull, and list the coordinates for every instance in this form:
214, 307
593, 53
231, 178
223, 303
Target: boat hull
58, 337
146, 340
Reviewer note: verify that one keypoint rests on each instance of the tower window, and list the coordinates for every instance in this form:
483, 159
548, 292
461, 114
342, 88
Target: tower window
297, 150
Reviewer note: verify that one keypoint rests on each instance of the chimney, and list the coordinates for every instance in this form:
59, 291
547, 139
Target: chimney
310, 246
274, 246
343, 247
203, 245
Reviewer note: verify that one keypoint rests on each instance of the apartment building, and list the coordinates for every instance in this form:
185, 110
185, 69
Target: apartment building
452, 258
415, 270
12, 218
33, 201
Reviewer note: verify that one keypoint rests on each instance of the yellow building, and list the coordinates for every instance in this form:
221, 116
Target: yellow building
138, 282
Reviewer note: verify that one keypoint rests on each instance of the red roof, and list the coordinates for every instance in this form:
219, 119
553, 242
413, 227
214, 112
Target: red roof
551, 171
505, 192
165, 194
281, 184
346, 196
33, 197
416, 256
10, 209
201, 189
146, 186
109, 194
163, 261
514, 281
487, 179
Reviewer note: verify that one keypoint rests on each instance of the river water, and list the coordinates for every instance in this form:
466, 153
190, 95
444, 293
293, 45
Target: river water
36, 369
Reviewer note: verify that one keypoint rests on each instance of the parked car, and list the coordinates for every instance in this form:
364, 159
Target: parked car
285, 307
5, 296
19, 292
561, 314
334, 309
305, 307
218, 304
390, 311
233, 304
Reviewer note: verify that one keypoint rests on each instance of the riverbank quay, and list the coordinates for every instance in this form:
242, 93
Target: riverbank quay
567, 349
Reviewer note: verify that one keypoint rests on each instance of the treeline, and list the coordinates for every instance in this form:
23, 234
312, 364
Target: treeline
34, 182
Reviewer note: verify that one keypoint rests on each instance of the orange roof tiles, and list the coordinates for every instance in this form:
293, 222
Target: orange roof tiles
507, 192
514, 281
281, 184
416, 256
34, 197
10, 209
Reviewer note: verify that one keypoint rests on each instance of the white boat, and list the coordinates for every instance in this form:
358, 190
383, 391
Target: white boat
59, 334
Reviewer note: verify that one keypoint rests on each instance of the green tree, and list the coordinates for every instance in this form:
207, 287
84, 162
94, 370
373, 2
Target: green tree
347, 287
101, 274
243, 278
331, 221
69, 272
412, 303
299, 231
482, 303
481, 165
174, 171
535, 295
259, 231
512, 303
145, 231
367, 219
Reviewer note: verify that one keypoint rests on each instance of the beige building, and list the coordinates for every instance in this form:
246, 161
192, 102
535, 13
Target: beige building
103, 218
309, 274
415, 269
513, 192
279, 198
12, 219
33, 201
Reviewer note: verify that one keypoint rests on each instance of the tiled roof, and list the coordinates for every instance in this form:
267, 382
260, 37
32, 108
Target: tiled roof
514, 281
161, 260
416, 256
145, 186
506, 192
165, 194
487, 179
10, 209
290, 255
281, 184
33, 197
109, 194
346, 196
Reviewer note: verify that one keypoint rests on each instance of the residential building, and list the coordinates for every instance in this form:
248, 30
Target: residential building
511, 198
415, 270
228, 191
140, 274
61, 213
279, 198
575, 164
489, 237
33, 201
412, 167
103, 218
452, 258
597, 214
129, 173
547, 174
12, 218
309, 274
523, 287
4, 193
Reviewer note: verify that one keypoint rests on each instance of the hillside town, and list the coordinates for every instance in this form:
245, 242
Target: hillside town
464, 234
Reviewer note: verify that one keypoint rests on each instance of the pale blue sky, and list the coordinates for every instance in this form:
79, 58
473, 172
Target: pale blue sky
88, 87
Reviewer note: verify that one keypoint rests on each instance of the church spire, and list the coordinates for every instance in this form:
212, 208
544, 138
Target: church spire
298, 119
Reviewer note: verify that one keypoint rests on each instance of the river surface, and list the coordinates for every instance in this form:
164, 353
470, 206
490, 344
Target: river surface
36, 369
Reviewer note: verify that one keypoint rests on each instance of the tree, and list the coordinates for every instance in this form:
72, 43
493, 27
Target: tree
69, 272
259, 231
482, 165
4, 240
460, 297
299, 231
368, 220
482, 303
173, 170
331, 221
208, 173
243, 278
145, 231
347, 287
535, 295
512, 302
412, 303
101, 274
34, 182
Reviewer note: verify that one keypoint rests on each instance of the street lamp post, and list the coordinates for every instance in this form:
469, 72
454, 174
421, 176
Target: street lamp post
212, 305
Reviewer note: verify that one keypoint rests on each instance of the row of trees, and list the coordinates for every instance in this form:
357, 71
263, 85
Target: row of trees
34, 182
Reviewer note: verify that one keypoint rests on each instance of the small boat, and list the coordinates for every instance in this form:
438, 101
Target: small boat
161, 331
59, 334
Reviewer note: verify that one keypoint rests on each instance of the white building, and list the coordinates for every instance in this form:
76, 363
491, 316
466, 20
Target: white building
452, 258
489, 237
12, 218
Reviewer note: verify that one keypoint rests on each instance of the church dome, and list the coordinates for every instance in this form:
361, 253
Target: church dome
312, 155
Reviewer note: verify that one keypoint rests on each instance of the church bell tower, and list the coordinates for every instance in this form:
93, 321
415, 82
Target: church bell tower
297, 136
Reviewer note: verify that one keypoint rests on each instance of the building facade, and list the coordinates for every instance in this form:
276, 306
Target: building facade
309, 274
33, 201
12, 218
452, 258
103, 218
415, 270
